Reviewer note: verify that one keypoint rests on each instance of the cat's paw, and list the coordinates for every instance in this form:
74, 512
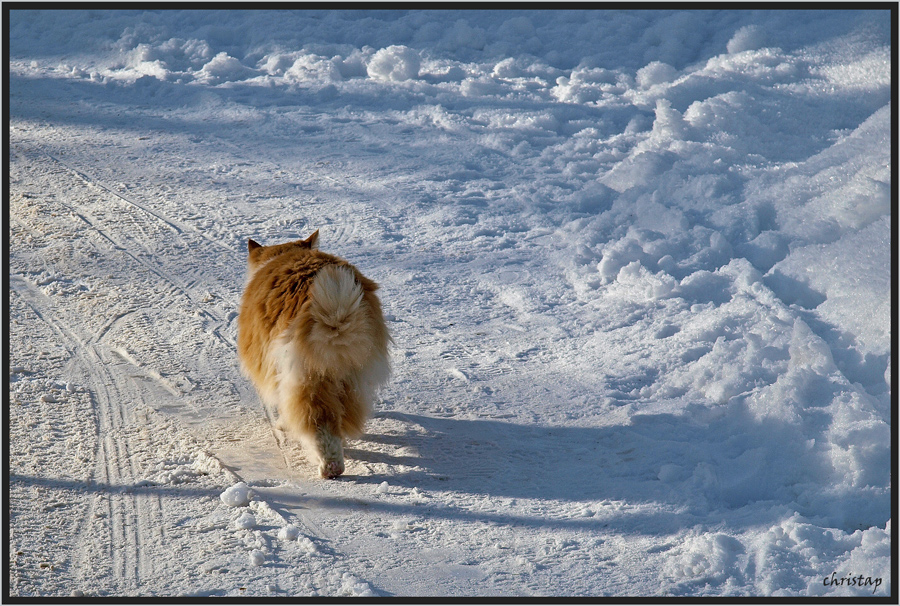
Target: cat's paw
331, 469
329, 448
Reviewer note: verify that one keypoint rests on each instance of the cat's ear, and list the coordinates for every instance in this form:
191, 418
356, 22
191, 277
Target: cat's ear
313, 240
252, 245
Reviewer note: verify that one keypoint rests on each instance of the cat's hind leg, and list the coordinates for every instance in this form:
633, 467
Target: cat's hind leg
314, 410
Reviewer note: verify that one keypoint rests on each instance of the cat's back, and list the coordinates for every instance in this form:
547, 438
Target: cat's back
278, 289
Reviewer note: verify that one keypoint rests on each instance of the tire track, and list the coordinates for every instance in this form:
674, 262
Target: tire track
185, 288
120, 526
189, 288
114, 231
114, 219
167, 278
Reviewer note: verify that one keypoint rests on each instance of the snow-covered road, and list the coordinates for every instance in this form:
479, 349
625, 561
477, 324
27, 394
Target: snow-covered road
636, 265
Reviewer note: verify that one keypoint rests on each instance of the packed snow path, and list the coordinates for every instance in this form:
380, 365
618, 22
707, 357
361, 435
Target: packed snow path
636, 265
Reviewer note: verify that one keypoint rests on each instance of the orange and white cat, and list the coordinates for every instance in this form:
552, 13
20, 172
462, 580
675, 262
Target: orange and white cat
312, 338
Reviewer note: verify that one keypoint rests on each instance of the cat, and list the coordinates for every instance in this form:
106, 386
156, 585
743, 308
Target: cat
312, 338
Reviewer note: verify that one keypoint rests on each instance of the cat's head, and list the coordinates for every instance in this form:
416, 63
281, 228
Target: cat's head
259, 254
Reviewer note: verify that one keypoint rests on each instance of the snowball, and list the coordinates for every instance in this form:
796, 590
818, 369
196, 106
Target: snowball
257, 558
245, 521
288, 533
382, 488
394, 64
236, 496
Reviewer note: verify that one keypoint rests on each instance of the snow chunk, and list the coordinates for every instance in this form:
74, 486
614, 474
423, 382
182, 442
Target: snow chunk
706, 557
257, 558
655, 72
351, 586
640, 283
310, 68
749, 37
264, 511
184, 469
236, 496
394, 64
307, 545
402, 526
246, 521
669, 126
289, 533
205, 464
808, 350
223, 68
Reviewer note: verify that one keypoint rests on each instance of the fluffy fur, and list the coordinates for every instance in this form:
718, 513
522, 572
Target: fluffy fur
312, 338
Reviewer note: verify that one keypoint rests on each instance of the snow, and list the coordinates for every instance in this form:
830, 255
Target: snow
245, 521
289, 533
237, 495
394, 63
257, 558
636, 265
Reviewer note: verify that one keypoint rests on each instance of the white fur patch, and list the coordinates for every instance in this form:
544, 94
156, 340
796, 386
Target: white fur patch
289, 369
341, 335
336, 295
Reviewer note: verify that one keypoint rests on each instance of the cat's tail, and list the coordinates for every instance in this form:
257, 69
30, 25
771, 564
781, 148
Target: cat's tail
341, 329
